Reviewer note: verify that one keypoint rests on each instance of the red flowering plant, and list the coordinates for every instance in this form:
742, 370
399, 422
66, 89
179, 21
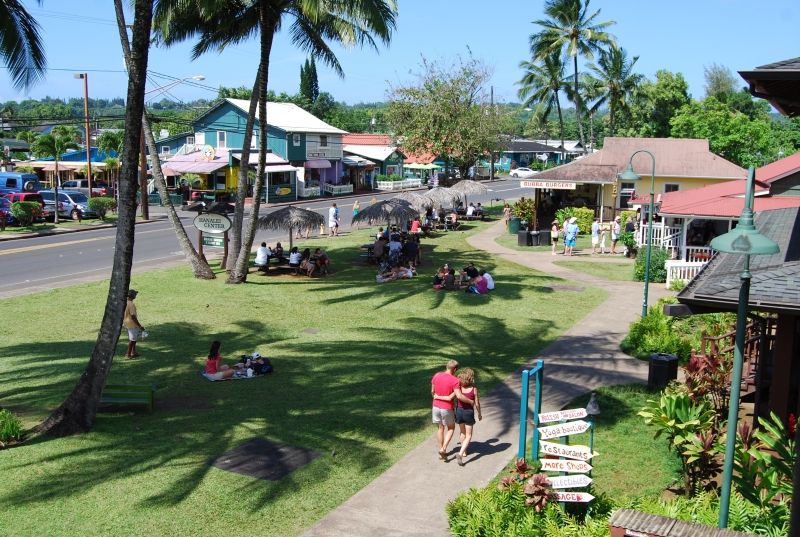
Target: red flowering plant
538, 491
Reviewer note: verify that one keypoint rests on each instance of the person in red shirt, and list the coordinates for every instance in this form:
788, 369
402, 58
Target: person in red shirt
444, 386
214, 368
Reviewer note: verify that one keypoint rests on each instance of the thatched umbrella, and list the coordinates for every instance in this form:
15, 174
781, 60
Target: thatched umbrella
417, 200
443, 196
394, 211
290, 218
468, 188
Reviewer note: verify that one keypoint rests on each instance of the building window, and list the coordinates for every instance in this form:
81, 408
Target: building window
190, 140
165, 150
672, 187
323, 141
221, 143
200, 138
626, 191
221, 184
296, 140
253, 141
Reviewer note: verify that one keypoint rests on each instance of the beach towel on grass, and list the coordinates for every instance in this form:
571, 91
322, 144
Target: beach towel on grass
235, 377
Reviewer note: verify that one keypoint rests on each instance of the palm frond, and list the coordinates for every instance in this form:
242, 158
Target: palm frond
21, 46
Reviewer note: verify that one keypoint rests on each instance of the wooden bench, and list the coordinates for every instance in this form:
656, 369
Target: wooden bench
129, 394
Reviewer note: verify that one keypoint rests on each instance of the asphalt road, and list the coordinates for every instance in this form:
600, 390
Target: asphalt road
41, 263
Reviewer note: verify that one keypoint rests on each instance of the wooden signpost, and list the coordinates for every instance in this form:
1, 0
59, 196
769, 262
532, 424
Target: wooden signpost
569, 481
573, 414
581, 453
568, 466
563, 429
574, 496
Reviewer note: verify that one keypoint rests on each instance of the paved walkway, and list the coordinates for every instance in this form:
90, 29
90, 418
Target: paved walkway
410, 497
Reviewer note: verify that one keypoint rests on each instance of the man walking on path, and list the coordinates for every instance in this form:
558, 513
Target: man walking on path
443, 385
333, 220
131, 322
595, 234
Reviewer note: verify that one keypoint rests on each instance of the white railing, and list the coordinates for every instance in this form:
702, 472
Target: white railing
699, 254
682, 270
308, 192
663, 236
398, 185
338, 189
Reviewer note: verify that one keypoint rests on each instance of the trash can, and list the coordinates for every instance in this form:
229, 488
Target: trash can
513, 225
663, 368
523, 238
545, 238
534, 238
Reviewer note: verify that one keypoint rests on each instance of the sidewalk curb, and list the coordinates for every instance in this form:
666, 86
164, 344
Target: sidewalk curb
51, 232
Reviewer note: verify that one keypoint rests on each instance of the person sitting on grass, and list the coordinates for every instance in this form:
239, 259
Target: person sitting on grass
323, 261
305, 259
214, 368
295, 258
489, 280
262, 255
469, 272
479, 286
438, 278
379, 248
450, 283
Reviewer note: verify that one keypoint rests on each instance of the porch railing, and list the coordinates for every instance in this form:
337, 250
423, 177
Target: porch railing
682, 270
398, 185
699, 253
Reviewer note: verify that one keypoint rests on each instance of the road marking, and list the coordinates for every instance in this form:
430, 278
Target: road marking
69, 243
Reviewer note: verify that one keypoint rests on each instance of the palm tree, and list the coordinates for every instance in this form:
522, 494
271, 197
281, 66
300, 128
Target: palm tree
541, 86
570, 27
77, 412
27, 136
112, 141
21, 45
53, 145
220, 23
614, 74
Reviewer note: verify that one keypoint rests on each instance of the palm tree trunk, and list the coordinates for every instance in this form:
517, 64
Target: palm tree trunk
76, 414
56, 182
561, 124
611, 118
578, 104
591, 128
267, 25
235, 243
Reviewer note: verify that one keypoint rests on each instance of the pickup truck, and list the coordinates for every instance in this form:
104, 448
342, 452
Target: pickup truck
99, 188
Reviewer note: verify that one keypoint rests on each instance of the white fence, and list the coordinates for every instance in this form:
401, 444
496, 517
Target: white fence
398, 185
307, 192
698, 254
667, 237
338, 189
682, 270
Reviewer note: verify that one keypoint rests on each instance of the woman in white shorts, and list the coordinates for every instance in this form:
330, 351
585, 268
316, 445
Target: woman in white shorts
214, 368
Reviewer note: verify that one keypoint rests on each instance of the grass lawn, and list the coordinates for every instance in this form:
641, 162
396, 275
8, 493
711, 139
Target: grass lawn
607, 271
359, 386
583, 243
62, 223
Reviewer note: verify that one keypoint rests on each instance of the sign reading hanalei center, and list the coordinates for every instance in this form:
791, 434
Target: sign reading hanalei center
552, 185
582, 453
573, 414
573, 467
212, 223
563, 429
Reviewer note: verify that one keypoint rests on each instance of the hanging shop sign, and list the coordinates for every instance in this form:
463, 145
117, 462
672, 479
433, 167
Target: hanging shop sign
552, 185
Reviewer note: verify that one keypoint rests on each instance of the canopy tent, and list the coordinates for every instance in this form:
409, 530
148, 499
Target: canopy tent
415, 166
289, 218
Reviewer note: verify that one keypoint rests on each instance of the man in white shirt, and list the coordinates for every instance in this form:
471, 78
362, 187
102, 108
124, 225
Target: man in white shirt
488, 278
262, 255
333, 220
395, 245
595, 234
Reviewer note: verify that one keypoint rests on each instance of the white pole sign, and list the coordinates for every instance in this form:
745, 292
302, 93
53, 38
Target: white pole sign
582, 453
569, 481
574, 496
564, 429
573, 467
573, 414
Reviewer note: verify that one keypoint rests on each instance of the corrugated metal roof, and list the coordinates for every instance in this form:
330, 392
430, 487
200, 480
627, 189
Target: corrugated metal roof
778, 169
366, 139
290, 118
373, 152
667, 527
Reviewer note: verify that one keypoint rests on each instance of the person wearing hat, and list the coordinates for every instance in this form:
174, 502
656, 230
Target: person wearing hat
615, 229
131, 322
554, 231
570, 235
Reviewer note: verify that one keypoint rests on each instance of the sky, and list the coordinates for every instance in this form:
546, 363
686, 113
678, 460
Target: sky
677, 35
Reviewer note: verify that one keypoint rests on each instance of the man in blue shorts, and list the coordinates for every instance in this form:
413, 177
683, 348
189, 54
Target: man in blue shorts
570, 235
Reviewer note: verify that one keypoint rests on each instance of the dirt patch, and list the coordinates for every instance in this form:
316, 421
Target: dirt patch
262, 459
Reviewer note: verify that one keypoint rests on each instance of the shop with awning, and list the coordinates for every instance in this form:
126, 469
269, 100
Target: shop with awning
216, 178
356, 169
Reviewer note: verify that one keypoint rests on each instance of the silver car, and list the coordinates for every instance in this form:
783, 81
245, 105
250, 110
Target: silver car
71, 203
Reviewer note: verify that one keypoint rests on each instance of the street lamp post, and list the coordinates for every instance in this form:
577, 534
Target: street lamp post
85, 78
153, 93
630, 175
743, 239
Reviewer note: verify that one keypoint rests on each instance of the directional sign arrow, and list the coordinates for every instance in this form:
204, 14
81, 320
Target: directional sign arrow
574, 467
569, 481
573, 414
574, 496
582, 453
563, 429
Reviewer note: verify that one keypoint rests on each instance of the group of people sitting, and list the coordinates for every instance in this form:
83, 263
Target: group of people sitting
469, 279
247, 366
389, 273
397, 246
265, 254
309, 262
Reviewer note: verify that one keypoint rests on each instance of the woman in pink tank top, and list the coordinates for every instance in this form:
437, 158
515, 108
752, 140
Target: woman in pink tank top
468, 405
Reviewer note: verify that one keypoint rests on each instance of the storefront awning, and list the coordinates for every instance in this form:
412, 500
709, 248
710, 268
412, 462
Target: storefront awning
318, 164
353, 160
280, 168
196, 167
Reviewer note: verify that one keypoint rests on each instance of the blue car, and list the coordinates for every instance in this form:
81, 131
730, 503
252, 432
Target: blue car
5, 211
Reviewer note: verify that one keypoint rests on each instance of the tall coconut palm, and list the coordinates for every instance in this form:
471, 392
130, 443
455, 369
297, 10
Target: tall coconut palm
220, 23
28, 136
541, 87
570, 28
77, 412
614, 74
21, 45
53, 146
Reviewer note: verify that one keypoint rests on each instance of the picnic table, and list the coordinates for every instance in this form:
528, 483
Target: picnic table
370, 250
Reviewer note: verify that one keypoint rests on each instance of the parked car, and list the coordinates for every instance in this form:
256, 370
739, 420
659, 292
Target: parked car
46, 213
523, 173
99, 188
70, 202
5, 211
20, 182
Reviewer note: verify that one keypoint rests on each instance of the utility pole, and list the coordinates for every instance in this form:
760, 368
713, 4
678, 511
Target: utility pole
85, 78
491, 153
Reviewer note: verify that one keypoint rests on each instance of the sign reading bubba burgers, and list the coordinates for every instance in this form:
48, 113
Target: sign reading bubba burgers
552, 185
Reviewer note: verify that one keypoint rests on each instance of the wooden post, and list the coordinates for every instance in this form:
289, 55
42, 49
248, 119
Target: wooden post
224, 264
200, 243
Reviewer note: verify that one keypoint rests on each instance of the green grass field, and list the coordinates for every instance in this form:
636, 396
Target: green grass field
359, 386
608, 271
582, 243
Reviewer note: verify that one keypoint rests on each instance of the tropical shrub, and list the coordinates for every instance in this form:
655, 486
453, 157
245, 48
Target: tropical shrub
10, 428
654, 333
195, 181
381, 177
708, 377
564, 214
25, 212
628, 239
395, 177
623, 217
525, 209
585, 218
101, 206
658, 266
677, 285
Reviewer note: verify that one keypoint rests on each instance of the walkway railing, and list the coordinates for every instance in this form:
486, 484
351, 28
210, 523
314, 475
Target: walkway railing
537, 373
398, 185
334, 190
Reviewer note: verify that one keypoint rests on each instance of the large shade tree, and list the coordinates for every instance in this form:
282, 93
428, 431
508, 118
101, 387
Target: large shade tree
615, 81
447, 112
76, 414
570, 28
21, 46
217, 24
540, 88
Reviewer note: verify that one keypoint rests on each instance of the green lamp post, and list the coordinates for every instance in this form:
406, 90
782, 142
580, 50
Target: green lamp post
743, 239
630, 176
